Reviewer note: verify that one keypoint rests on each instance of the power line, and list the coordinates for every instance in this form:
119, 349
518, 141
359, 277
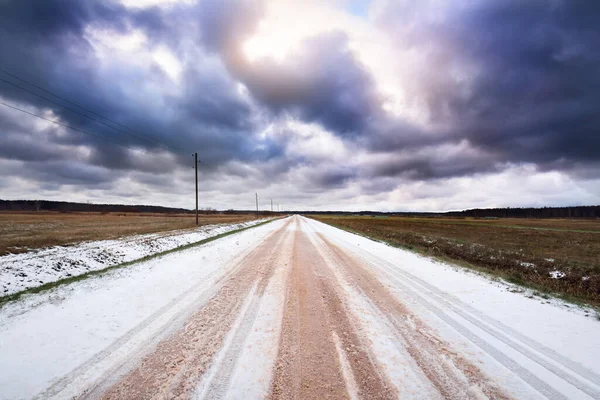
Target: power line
82, 114
141, 137
81, 130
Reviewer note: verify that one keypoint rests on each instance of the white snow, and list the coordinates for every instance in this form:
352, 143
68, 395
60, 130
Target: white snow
526, 264
95, 325
351, 386
557, 274
101, 326
251, 374
37, 267
556, 343
254, 367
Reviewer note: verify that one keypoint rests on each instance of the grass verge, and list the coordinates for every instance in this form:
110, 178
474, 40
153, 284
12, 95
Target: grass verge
520, 256
50, 285
21, 232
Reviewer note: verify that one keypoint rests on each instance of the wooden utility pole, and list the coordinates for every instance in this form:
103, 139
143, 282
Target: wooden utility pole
271, 205
256, 203
196, 167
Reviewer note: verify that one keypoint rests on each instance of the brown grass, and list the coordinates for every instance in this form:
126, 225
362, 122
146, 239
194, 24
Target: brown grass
22, 231
523, 251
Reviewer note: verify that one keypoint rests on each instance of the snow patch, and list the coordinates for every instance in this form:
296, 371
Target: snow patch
110, 315
23, 271
557, 274
526, 264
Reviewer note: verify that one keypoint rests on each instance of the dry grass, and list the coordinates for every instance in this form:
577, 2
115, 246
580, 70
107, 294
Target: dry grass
22, 231
523, 251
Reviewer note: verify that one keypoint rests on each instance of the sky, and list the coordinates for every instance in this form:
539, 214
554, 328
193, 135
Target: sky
350, 105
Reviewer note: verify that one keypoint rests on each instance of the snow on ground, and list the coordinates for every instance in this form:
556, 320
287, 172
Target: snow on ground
87, 335
37, 267
252, 374
92, 325
551, 344
243, 367
250, 350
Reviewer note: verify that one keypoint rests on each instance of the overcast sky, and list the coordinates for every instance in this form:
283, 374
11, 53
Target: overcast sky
343, 104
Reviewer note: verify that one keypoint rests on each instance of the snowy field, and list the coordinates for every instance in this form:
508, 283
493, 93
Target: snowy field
37, 267
295, 309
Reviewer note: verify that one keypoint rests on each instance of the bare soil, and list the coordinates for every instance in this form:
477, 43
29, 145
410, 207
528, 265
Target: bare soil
523, 251
20, 232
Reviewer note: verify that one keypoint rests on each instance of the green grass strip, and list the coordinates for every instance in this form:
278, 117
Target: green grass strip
50, 285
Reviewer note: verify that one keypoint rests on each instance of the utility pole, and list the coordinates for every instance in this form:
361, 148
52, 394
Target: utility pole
196, 167
271, 205
256, 203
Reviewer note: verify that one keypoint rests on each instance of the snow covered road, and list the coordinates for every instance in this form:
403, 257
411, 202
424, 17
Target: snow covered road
295, 309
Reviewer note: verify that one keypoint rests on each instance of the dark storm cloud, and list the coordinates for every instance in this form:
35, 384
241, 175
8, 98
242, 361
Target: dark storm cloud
322, 83
45, 42
538, 97
502, 82
331, 176
534, 95
66, 172
429, 166
25, 149
209, 98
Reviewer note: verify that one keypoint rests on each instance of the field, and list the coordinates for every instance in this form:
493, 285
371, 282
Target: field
558, 256
295, 309
22, 231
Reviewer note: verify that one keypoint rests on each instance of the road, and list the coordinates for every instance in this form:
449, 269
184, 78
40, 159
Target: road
296, 309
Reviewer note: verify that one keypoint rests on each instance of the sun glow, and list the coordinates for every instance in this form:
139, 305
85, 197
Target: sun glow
284, 28
287, 24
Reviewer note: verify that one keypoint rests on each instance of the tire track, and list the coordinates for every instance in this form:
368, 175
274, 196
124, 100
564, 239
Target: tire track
575, 376
218, 380
453, 381
159, 322
174, 368
463, 308
563, 372
309, 365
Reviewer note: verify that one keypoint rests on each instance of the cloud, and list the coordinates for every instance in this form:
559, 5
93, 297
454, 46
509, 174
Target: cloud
404, 105
207, 111
321, 83
517, 80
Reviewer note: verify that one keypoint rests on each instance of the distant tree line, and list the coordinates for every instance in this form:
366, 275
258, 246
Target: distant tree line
261, 212
64, 206
68, 207
544, 212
